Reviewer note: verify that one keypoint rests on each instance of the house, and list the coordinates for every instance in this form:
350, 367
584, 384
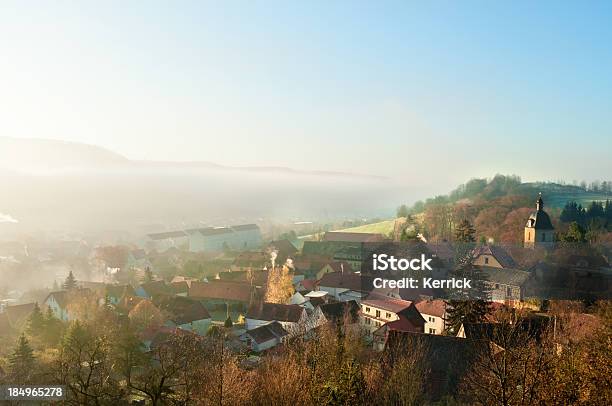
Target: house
265, 336
493, 256
179, 288
14, 318
307, 265
505, 285
249, 260
219, 239
154, 288
59, 301
114, 293
184, 313
163, 241
306, 285
345, 286
220, 294
434, 313
284, 250
291, 317
254, 277
187, 279
336, 266
378, 310
301, 300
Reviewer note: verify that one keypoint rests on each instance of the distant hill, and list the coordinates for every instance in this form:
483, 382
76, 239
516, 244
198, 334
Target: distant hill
32, 155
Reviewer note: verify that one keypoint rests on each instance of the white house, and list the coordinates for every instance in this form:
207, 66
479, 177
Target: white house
264, 337
291, 317
434, 313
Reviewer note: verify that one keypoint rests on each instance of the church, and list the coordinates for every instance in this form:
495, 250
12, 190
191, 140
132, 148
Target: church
539, 231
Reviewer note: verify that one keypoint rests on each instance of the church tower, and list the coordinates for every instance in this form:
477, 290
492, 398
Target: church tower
539, 229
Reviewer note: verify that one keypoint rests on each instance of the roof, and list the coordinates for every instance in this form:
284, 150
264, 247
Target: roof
338, 310
352, 237
346, 280
252, 259
339, 266
386, 303
166, 235
183, 310
60, 296
501, 255
156, 288
275, 311
258, 277
267, 332
19, 313
240, 292
309, 284
119, 291
179, 287
284, 247
432, 307
402, 324
505, 276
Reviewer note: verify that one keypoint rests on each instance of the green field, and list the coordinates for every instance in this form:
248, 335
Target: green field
384, 227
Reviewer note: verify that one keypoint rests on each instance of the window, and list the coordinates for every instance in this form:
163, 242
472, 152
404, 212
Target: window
509, 291
432, 331
367, 320
497, 286
377, 313
388, 315
431, 319
367, 310
486, 260
543, 236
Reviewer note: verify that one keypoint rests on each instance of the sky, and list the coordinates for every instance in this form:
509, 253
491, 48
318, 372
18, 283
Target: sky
422, 91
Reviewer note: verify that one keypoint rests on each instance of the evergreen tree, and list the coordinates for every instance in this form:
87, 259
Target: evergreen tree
465, 232
36, 322
53, 328
70, 282
21, 362
148, 275
228, 323
575, 234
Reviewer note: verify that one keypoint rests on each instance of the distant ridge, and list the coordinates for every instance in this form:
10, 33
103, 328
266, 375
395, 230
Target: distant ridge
33, 155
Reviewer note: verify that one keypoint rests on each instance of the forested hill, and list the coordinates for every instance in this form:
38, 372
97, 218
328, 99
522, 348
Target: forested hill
499, 207
557, 194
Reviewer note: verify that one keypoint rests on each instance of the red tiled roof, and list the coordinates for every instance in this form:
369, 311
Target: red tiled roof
240, 292
432, 307
275, 312
386, 303
345, 280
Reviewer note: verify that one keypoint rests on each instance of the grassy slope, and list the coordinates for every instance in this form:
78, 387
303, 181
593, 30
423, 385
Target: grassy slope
384, 227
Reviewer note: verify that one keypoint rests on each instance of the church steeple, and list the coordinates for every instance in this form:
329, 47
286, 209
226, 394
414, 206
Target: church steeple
540, 203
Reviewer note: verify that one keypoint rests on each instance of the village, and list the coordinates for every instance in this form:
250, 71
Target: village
273, 293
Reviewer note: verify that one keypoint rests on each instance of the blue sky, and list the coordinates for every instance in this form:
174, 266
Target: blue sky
436, 92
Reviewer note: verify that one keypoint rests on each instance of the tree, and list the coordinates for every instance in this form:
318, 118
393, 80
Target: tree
148, 275
465, 232
52, 331
70, 282
36, 322
402, 211
22, 361
574, 234
228, 323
